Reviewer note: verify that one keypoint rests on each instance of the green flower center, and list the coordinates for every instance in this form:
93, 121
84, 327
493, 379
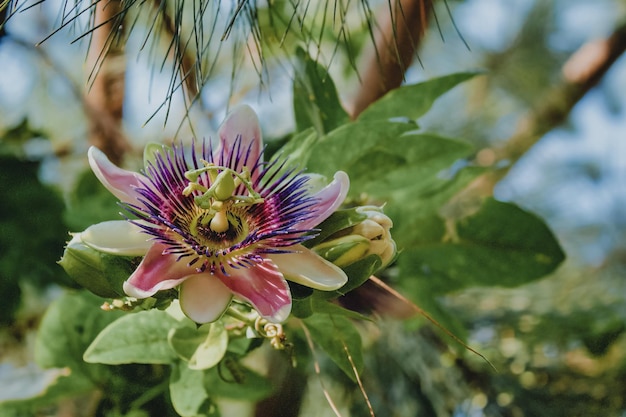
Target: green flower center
220, 218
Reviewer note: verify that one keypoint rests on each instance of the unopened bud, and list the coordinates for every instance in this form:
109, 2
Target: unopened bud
376, 228
344, 250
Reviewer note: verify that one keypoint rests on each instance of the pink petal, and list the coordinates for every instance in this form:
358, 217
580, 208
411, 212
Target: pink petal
156, 272
305, 267
329, 199
264, 287
204, 298
118, 181
241, 123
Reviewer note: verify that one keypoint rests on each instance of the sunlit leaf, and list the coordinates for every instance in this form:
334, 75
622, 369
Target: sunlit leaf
315, 100
413, 101
134, 338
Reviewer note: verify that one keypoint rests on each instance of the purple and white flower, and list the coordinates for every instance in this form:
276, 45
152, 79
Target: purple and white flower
219, 223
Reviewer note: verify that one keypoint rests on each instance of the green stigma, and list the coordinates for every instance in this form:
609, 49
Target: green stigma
220, 197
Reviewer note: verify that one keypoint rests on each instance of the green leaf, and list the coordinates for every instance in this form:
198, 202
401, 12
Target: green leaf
338, 337
500, 245
315, 100
203, 348
296, 151
68, 327
134, 338
413, 101
233, 380
357, 272
351, 146
308, 306
99, 272
188, 393
416, 215
326, 307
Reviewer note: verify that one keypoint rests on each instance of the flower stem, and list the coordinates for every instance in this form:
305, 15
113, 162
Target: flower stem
238, 315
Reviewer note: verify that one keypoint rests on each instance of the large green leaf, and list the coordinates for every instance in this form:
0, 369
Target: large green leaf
414, 174
338, 337
315, 100
500, 245
348, 147
412, 101
188, 394
66, 330
416, 215
134, 338
75, 384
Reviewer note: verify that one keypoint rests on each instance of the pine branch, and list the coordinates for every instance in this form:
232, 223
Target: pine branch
403, 26
105, 98
584, 69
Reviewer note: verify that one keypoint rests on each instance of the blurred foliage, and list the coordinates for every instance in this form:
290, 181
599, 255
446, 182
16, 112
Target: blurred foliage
32, 232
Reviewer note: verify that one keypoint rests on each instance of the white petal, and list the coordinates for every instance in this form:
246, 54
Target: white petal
117, 237
203, 298
308, 268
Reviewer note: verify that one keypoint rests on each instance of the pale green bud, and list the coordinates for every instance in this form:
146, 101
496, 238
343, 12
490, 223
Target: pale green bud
344, 250
376, 228
99, 272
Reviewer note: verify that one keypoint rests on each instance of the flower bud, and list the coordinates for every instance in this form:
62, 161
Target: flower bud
99, 272
376, 228
344, 250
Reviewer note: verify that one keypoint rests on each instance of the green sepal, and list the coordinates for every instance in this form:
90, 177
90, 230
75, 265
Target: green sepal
307, 307
101, 273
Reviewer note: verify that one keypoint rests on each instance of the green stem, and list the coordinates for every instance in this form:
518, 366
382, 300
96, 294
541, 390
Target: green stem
238, 315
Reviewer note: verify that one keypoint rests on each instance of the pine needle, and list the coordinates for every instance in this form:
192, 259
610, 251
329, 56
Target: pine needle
428, 317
